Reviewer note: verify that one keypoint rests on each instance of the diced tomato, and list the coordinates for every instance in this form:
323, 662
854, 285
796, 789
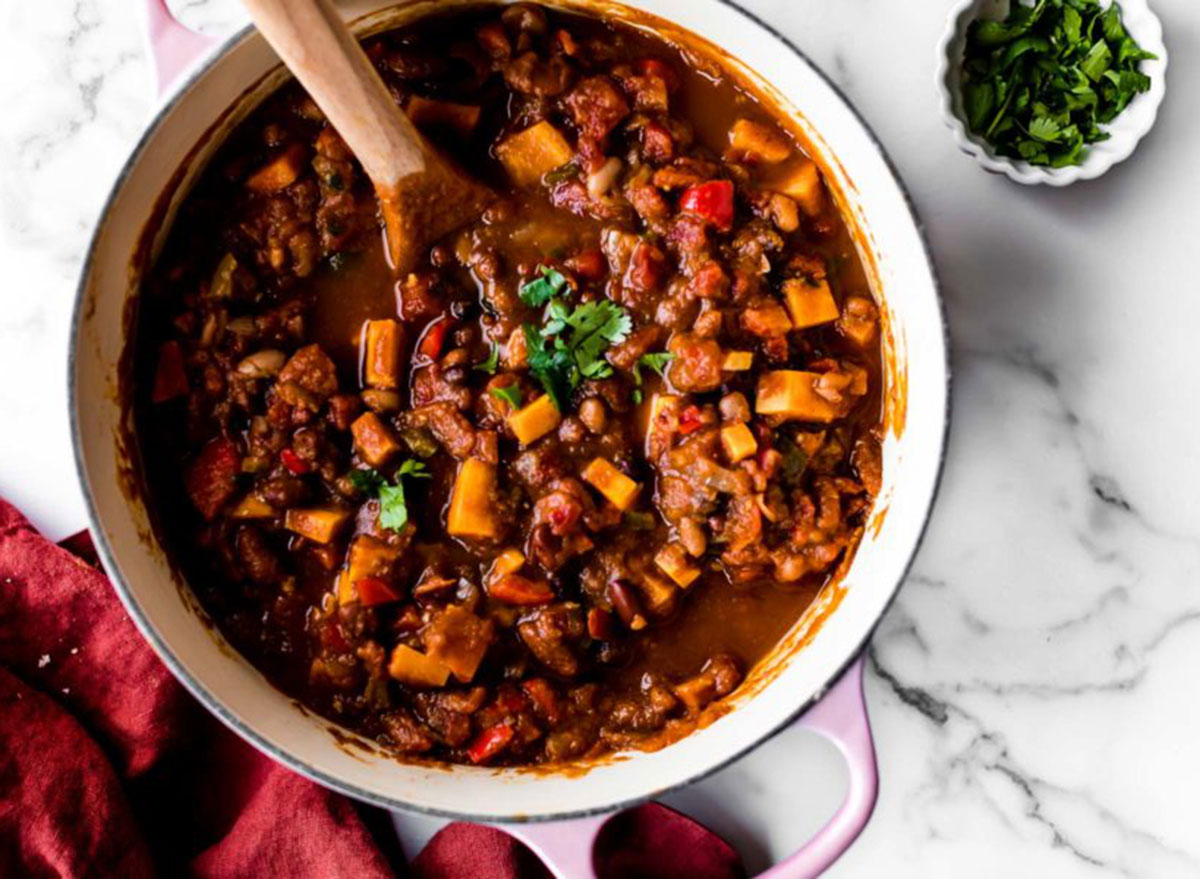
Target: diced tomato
689, 420
588, 264
211, 477
490, 742
431, 343
170, 378
545, 701
373, 590
294, 462
661, 69
712, 201
515, 589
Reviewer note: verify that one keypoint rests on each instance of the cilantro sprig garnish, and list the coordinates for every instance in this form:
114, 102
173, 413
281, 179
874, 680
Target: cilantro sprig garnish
656, 361
1039, 84
569, 346
393, 506
510, 394
491, 364
548, 284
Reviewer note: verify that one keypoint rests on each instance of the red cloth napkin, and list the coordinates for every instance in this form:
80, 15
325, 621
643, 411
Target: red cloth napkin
108, 768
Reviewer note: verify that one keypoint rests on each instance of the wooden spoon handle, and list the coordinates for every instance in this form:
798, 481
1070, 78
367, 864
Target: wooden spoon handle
319, 49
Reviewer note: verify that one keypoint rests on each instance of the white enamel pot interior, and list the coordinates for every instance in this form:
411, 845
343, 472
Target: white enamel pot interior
799, 672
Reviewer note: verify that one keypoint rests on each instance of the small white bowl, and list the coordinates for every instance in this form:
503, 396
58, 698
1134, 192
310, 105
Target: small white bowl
1125, 131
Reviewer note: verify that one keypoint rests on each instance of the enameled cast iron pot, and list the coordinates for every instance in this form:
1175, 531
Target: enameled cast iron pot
557, 813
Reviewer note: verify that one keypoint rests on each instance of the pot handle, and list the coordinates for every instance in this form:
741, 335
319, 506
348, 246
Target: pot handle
173, 47
566, 847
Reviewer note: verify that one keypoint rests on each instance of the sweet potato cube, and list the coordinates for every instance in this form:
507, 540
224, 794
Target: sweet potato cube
508, 562
738, 442
458, 639
737, 361
251, 507
368, 557
414, 668
791, 394
766, 321
672, 560
530, 154
319, 524
611, 482
373, 439
803, 183
658, 594
431, 113
381, 361
696, 692
809, 304
472, 513
759, 142
279, 173
535, 420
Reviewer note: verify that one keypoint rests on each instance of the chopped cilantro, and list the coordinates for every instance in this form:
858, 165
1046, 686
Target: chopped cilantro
569, 347
393, 507
510, 394
542, 289
492, 363
415, 469
656, 361
1039, 84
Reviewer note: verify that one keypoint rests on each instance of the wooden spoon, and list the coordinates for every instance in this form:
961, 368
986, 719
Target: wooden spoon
422, 194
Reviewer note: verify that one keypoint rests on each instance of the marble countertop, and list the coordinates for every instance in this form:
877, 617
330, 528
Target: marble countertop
1033, 690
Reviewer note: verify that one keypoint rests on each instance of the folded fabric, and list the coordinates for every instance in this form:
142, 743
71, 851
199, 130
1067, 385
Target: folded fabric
108, 768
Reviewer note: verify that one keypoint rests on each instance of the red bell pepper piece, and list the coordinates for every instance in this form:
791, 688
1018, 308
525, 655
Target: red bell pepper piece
712, 201
689, 420
490, 742
515, 589
373, 590
435, 336
661, 69
545, 701
170, 378
294, 462
211, 477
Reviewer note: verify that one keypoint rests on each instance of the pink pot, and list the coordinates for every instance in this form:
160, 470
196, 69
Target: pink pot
203, 81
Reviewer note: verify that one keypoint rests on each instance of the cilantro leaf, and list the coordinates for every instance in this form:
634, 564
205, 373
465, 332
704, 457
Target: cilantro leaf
1044, 128
491, 364
413, 468
542, 289
550, 366
393, 506
1097, 60
510, 394
658, 361
367, 481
